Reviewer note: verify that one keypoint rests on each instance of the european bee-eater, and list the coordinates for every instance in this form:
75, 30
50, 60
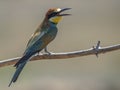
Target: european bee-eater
44, 34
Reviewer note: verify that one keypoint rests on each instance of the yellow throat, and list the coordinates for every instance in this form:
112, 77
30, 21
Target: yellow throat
56, 19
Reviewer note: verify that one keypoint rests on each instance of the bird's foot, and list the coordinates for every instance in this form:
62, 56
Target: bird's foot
38, 53
47, 52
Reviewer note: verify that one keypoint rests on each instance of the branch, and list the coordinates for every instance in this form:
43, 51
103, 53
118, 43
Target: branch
92, 51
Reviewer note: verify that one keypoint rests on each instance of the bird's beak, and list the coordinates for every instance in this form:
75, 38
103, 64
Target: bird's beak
62, 10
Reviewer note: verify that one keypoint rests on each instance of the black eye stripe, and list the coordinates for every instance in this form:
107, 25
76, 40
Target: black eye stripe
52, 14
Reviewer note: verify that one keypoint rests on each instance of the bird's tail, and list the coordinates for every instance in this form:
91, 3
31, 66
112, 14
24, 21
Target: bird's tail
19, 66
17, 73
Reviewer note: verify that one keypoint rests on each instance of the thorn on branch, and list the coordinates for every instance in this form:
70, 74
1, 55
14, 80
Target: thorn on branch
96, 48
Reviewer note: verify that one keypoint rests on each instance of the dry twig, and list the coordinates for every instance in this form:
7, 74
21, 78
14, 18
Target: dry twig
92, 51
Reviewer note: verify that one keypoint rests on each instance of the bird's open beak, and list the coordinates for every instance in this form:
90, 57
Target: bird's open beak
62, 10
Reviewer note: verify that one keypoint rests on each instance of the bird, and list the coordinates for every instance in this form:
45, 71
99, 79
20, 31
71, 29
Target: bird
44, 34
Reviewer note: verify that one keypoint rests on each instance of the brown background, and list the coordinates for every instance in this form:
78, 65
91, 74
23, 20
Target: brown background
91, 20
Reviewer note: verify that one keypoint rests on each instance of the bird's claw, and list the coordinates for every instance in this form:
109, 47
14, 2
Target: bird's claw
47, 52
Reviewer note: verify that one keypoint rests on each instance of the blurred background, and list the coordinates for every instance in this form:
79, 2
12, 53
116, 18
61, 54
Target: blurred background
91, 20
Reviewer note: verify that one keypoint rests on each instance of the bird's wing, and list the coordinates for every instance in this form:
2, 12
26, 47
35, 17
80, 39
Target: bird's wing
33, 37
37, 34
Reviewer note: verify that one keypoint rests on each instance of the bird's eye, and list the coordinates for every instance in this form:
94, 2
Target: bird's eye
52, 14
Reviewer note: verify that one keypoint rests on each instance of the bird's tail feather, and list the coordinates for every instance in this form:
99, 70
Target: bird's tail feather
17, 73
23, 59
19, 66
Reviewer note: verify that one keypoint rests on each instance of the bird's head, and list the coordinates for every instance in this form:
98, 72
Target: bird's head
54, 15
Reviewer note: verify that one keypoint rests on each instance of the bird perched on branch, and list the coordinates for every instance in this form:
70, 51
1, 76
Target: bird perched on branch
44, 34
